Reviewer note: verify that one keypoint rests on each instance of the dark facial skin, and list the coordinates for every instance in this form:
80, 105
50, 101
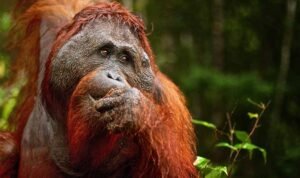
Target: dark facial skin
112, 50
112, 54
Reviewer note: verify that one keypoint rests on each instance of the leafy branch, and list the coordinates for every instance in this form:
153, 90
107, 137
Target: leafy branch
238, 140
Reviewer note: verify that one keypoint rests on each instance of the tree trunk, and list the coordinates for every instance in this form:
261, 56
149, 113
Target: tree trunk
218, 53
218, 34
285, 58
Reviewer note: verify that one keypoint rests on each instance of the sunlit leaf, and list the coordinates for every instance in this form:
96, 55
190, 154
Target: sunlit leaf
245, 146
226, 145
209, 170
253, 115
201, 162
205, 124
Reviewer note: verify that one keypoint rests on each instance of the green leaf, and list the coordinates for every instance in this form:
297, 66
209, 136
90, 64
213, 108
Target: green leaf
222, 169
201, 162
253, 115
205, 124
250, 147
242, 136
226, 145
218, 172
208, 170
245, 146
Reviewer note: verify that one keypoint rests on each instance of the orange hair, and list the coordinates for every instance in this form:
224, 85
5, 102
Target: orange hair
167, 141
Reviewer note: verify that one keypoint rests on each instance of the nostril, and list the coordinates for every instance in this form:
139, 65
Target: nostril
114, 77
119, 79
109, 75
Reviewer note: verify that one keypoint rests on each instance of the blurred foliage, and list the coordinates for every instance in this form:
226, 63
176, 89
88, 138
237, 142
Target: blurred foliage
181, 33
182, 38
8, 95
5, 23
7, 103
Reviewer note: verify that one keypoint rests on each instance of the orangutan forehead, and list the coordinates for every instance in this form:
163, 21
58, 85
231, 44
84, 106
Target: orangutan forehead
99, 32
115, 29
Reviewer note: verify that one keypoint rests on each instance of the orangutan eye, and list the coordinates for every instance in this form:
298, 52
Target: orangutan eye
145, 63
125, 59
104, 52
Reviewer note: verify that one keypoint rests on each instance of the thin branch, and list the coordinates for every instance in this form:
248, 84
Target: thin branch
231, 131
263, 107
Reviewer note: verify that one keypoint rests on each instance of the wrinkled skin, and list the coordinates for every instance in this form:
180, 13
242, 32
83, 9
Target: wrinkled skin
112, 50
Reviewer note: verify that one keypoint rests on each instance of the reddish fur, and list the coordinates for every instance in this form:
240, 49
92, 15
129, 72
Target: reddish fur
166, 139
8, 155
79, 135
